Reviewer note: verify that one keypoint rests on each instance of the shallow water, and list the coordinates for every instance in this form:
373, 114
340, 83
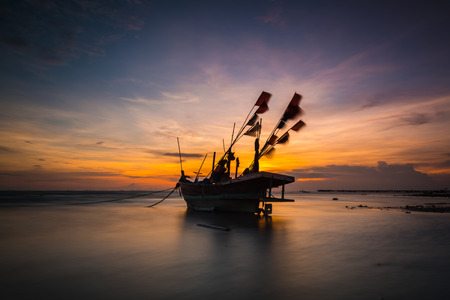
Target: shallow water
315, 248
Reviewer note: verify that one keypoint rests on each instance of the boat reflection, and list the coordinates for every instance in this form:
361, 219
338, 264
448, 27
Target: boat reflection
219, 260
231, 220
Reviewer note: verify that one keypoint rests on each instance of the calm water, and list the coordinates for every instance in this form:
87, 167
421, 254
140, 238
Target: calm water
314, 248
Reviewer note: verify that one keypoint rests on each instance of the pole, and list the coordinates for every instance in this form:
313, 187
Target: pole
179, 152
196, 177
232, 135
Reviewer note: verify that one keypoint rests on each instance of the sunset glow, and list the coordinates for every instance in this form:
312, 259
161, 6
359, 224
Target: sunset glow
94, 95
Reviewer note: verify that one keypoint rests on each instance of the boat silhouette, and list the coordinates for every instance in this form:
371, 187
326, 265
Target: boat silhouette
250, 192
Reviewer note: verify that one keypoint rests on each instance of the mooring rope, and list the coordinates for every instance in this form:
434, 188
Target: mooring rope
165, 196
125, 198
5, 204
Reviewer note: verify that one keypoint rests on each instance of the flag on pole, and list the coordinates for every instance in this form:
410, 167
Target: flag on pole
262, 103
263, 98
293, 109
262, 108
298, 125
281, 124
253, 120
295, 101
283, 139
254, 130
272, 140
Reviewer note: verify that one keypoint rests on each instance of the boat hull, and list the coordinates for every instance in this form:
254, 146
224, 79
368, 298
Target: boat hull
242, 194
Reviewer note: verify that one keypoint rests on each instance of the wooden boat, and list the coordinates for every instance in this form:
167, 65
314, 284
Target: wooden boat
242, 194
250, 192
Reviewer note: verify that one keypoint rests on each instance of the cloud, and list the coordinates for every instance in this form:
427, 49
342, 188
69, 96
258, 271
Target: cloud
16, 42
405, 93
416, 119
183, 98
40, 175
12, 174
7, 150
382, 176
136, 176
97, 145
408, 119
174, 154
274, 17
55, 32
167, 98
440, 165
140, 100
42, 179
91, 174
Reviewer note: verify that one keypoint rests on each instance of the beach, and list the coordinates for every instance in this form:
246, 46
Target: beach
72, 246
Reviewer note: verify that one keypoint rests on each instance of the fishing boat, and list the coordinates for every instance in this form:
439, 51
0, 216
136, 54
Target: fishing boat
251, 191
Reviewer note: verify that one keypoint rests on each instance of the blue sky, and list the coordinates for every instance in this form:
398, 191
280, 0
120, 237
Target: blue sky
94, 93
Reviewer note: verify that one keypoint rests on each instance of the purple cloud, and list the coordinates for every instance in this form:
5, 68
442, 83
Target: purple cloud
382, 176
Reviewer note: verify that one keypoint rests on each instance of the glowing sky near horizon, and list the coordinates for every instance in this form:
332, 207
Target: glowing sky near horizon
94, 93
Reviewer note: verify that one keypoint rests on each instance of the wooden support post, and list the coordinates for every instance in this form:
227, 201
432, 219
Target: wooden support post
270, 188
282, 192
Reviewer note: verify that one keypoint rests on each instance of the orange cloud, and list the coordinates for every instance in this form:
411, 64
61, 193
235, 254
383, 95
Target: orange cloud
311, 179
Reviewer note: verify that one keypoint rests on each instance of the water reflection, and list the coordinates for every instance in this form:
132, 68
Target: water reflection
240, 263
230, 220
312, 249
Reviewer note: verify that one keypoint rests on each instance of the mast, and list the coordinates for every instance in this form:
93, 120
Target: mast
256, 159
213, 162
255, 167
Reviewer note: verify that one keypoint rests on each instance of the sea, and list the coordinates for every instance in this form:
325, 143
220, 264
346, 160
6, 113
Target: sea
325, 245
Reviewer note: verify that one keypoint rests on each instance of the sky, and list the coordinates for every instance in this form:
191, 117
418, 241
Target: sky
95, 93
